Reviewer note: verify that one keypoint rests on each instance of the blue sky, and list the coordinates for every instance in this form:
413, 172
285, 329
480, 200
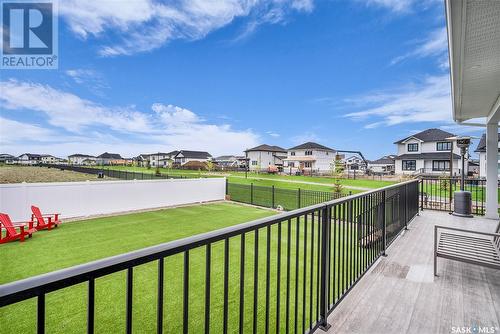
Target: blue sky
225, 75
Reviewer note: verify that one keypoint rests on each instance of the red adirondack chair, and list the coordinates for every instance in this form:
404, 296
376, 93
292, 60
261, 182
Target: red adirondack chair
46, 221
25, 229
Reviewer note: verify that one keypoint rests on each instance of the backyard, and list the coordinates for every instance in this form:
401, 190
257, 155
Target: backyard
83, 241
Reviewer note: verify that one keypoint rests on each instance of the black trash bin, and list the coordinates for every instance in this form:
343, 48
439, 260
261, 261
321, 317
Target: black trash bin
100, 174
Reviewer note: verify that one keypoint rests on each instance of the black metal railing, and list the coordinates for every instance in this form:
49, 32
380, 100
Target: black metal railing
115, 173
437, 193
285, 273
273, 197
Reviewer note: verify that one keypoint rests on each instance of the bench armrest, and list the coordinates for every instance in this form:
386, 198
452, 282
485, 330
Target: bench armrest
467, 231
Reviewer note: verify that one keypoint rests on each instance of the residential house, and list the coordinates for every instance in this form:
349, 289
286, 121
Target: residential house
265, 157
163, 160
226, 161
7, 159
354, 163
184, 156
428, 152
481, 149
309, 158
50, 159
384, 165
108, 158
81, 159
142, 160
29, 159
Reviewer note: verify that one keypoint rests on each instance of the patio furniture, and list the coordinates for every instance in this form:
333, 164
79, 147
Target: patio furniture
44, 221
11, 232
480, 248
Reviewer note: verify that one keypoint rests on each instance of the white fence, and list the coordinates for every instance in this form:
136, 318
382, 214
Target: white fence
77, 199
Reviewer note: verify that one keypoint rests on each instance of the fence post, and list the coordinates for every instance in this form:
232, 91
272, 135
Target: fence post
406, 207
422, 194
298, 199
251, 193
227, 187
325, 263
384, 231
272, 201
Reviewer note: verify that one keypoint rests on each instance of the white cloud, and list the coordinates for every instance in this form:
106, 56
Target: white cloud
434, 45
144, 25
81, 125
14, 131
91, 79
400, 6
273, 134
428, 101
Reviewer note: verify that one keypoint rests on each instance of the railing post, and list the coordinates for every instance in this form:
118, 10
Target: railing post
272, 201
227, 187
406, 207
251, 193
422, 194
298, 199
384, 232
324, 270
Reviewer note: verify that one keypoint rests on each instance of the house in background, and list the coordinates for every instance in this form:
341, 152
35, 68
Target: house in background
29, 159
309, 158
384, 165
428, 152
481, 149
184, 156
266, 157
50, 159
108, 158
7, 159
81, 159
354, 163
142, 160
230, 161
163, 160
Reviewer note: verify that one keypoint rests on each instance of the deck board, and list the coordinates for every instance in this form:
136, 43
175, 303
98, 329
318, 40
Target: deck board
400, 294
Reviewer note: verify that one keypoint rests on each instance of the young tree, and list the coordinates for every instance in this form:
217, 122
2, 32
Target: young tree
337, 169
210, 166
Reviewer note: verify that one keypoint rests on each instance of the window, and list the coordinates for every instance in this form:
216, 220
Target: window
291, 164
254, 162
412, 147
443, 146
440, 165
292, 153
309, 153
409, 165
308, 164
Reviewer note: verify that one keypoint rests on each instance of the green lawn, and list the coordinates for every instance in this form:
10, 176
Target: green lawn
80, 242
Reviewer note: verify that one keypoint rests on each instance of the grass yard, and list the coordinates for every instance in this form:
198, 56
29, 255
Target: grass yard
80, 242
18, 174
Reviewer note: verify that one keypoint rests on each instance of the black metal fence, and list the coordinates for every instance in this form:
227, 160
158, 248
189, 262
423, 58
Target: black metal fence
114, 173
284, 273
437, 193
272, 197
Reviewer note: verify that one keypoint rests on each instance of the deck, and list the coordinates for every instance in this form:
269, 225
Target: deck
400, 294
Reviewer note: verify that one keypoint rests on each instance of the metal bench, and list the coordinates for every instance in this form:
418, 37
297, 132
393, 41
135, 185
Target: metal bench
481, 248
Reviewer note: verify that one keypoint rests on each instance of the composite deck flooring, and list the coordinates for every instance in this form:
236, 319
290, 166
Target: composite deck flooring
401, 295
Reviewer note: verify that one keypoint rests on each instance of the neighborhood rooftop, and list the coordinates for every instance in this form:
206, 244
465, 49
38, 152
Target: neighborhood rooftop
310, 145
481, 147
429, 135
267, 148
194, 154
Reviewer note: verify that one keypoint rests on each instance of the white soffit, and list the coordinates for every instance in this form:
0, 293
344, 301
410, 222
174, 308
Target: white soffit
474, 45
